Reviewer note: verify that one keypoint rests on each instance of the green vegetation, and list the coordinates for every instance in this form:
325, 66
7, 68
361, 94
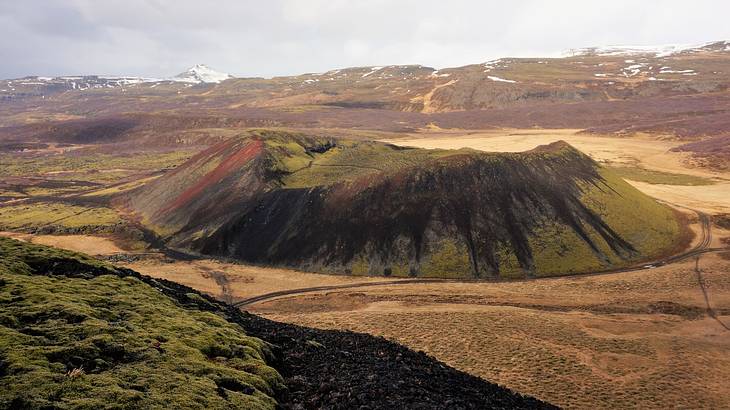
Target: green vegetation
117, 189
309, 161
58, 217
20, 257
623, 205
451, 260
657, 177
99, 340
347, 161
557, 249
91, 167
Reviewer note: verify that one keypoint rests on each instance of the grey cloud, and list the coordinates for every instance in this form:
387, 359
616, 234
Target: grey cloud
279, 37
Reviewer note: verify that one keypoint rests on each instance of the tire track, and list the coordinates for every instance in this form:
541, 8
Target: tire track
267, 296
703, 287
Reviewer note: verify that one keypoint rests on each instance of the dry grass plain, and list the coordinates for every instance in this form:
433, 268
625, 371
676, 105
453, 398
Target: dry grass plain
630, 340
646, 152
233, 282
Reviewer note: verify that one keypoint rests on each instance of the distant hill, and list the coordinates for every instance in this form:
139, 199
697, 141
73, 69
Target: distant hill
361, 207
680, 91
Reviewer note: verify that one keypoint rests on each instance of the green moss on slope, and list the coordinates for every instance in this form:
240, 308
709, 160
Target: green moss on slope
622, 206
558, 250
649, 226
105, 341
450, 260
57, 216
348, 160
635, 173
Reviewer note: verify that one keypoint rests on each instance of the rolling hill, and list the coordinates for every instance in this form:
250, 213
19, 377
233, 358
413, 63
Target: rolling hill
361, 207
591, 74
676, 92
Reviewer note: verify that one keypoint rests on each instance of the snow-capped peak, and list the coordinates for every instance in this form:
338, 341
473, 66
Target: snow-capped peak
201, 73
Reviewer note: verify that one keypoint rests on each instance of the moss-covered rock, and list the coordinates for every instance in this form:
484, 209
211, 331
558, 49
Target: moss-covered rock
75, 334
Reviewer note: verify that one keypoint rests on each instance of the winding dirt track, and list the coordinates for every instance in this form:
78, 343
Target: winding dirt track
701, 248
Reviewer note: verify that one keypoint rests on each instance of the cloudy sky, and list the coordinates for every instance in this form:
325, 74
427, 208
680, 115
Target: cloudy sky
279, 37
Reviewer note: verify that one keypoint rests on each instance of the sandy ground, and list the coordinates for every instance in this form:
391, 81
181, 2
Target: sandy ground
648, 152
89, 244
706, 198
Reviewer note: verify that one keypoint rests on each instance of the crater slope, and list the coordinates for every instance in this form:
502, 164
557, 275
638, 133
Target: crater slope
361, 207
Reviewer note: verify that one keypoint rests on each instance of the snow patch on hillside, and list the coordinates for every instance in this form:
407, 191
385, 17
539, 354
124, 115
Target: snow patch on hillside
372, 71
664, 50
501, 80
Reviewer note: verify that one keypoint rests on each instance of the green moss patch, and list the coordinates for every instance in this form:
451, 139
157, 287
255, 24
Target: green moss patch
57, 216
347, 160
108, 341
450, 260
90, 166
658, 177
648, 225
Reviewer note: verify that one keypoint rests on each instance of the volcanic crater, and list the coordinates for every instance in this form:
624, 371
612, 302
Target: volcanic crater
362, 207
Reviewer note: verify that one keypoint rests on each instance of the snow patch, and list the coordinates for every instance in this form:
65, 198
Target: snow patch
664, 50
436, 74
501, 80
372, 70
665, 70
